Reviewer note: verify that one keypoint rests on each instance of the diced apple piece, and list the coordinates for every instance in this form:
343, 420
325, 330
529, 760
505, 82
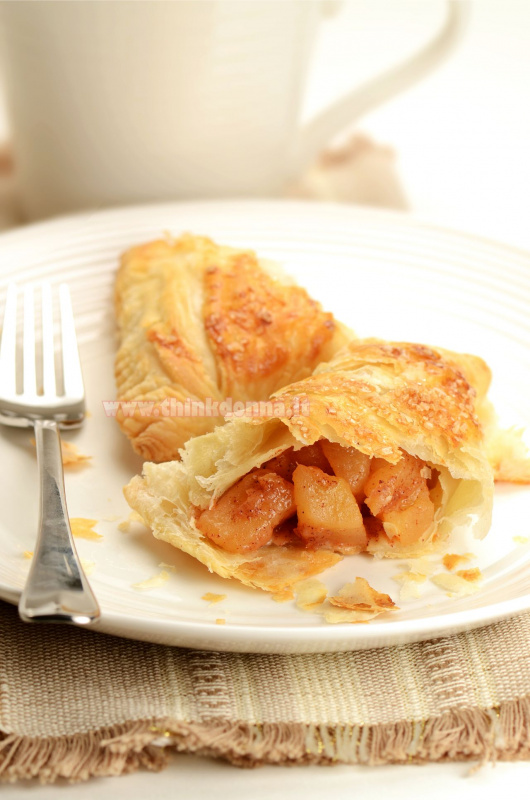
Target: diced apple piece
282, 465
245, 516
350, 464
286, 463
285, 533
393, 487
312, 456
409, 524
328, 513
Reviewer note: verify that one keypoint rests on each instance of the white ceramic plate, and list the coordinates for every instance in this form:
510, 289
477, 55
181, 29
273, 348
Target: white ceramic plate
385, 274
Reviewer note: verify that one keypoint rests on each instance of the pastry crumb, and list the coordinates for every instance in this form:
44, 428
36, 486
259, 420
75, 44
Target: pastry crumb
456, 585
421, 566
212, 598
220, 621
310, 594
133, 517
355, 602
334, 615
84, 529
70, 455
470, 575
88, 566
521, 539
360, 596
452, 560
28, 553
410, 589
152, 583
163, 565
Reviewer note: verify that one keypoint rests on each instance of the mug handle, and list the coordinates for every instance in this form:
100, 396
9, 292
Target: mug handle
319, 131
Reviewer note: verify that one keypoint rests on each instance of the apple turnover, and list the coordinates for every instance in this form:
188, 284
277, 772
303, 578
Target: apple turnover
379, 451
199, 323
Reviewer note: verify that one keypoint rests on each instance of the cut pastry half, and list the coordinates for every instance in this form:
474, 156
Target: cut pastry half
201, 323
380, 451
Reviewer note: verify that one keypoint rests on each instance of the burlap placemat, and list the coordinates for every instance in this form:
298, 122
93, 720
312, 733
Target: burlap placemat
74, 703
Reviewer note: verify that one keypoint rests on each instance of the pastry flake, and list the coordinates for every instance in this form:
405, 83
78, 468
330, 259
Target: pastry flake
455, 585
211, 597
152, 583
83, 528
410, 584
310, 594
452, 560
71, 457
360, 596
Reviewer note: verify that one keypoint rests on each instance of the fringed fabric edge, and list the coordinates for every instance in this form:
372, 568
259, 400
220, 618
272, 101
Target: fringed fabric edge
472, 734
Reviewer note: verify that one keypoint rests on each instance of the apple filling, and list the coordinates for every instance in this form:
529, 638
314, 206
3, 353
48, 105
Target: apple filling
324, 496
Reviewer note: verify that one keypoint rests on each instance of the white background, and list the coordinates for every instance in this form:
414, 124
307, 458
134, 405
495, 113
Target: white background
463, 142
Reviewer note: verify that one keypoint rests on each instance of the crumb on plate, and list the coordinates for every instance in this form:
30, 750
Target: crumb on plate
152, 583
133, 517
84, 529
421, 566
452, 560
456, 585
410, 588
310, 594
212, 598
356, 602
360, 596
471, 575
71, 457
334, 615
88, 566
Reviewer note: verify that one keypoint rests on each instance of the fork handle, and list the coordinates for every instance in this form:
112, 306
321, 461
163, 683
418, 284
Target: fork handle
56, 589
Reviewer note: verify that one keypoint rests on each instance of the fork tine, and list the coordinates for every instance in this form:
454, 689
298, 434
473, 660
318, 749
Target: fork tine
48, 358
30, 373
8, 349
73, 377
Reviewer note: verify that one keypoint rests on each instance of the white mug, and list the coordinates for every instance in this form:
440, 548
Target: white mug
119, 102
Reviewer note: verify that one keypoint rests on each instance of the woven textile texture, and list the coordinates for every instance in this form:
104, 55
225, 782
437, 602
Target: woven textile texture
74, 703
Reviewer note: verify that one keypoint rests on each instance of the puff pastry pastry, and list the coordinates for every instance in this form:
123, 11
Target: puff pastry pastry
380, 450
200, 321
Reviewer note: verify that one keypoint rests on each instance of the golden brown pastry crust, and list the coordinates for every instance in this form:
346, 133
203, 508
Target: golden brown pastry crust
198, 320
379, 396
382, 398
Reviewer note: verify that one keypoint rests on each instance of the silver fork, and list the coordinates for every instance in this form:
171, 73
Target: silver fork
56, 589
